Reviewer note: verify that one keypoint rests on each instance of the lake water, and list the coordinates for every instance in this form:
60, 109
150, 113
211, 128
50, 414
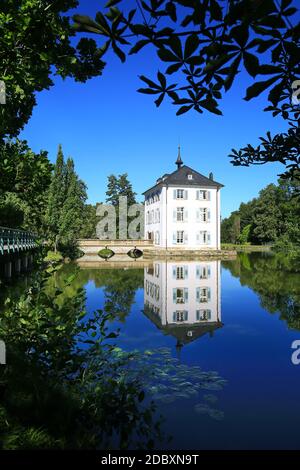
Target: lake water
236, 321
214, 340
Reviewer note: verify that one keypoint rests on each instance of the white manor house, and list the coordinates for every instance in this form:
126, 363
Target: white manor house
182, 210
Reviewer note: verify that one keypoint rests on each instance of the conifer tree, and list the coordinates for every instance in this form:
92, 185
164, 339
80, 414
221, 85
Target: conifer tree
119, 186
66, 201
56, 198
72, 213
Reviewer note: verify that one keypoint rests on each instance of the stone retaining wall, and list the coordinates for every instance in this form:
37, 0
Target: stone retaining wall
109, 243
91, 248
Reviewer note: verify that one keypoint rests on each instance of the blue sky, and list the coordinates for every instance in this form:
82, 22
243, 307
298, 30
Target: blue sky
107, 127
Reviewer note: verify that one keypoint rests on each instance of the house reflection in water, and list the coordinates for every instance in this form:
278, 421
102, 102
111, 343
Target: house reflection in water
183, 298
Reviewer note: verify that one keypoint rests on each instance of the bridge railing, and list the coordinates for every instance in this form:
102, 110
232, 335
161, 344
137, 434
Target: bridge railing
14, 240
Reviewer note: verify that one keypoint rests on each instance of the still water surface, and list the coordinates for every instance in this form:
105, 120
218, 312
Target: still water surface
236, 320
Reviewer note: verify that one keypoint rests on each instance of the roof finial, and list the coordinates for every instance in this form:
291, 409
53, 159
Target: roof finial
179, 162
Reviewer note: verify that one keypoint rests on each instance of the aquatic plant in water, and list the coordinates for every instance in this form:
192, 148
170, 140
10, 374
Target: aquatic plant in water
166, 379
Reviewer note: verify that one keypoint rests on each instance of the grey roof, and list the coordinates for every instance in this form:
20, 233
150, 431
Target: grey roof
179, 331
180, 178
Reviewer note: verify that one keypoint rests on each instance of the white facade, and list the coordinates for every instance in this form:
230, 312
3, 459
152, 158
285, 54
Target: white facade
185, 215
184, 293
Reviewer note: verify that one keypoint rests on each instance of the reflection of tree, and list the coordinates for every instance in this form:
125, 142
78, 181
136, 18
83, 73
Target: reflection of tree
119, 286
120, 289
275, 279
64, 386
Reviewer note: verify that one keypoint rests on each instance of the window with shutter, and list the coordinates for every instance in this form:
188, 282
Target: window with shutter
180, 296
157, 269
179, 214
186, 272
180, 194
179, 272
204, 214
204, 294
180, 316
203, 274
157, 293
204, 195
204, 315
157, 238
202, 237
180, 236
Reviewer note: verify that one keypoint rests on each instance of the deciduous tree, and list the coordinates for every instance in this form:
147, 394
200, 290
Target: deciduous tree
24, 182
37, 42
203, 45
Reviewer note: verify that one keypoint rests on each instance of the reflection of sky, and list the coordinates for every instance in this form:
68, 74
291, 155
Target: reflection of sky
252, 352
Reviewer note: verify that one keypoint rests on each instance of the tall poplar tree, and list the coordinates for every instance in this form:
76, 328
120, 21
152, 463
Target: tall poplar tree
66, 201
56, 198
72, 213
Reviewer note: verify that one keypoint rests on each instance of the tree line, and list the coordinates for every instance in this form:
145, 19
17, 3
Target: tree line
271, 218
275, 279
